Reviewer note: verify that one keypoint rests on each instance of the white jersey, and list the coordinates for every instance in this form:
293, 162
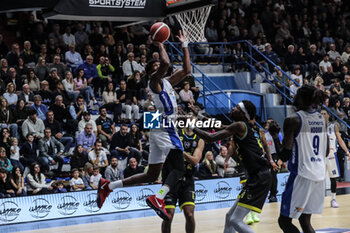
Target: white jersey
310, 147
332, 159
332, 139
165, 102
270, 142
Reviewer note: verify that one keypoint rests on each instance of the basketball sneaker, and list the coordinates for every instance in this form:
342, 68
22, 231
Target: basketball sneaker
158, 205
249, 220
255, 217
103, 192
334, 204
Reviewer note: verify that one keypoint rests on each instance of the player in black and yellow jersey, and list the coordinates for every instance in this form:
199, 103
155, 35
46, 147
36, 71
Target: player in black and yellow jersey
184, 193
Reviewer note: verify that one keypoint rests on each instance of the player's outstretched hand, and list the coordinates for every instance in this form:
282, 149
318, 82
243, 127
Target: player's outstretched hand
157, 43
181, 36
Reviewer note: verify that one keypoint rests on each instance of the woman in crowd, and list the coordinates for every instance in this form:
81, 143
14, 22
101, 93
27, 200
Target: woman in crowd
21, 70
36, 181
135, 141
79, 158
20, 113
33, 81
135, 84
10, 95
4, 161
68, 84
111, 103
81, 86
17, 181
207, 168
87, 173
41, 69
5, 141
6, 117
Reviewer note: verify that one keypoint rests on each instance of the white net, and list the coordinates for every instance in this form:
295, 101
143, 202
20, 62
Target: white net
193, 23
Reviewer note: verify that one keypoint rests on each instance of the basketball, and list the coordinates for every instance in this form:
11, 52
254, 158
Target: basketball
160, 32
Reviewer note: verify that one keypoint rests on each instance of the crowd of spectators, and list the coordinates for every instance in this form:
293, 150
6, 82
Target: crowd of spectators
55, 74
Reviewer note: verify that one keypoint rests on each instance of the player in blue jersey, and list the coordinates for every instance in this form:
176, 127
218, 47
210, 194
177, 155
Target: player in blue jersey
164, 141
305, 147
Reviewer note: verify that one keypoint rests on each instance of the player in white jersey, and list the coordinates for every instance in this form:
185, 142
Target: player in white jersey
164, 142
332, 159
305, 147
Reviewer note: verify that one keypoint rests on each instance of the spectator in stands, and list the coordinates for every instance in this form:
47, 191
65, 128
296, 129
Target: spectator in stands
14, 154
33, 81
77, 109
81, 37
5, 140
79, 158
297, 73
36, 181
133, 168
4, 69
68, 37
73, 58
87, 119
45, 93
148, 102
336, 108
16, 80
87, 138
6, 189
21, 70
290, 58
58, 65
128, 101
207, 169
4, 161
337, 67
211, 32
225, 168
186, 96
95, 178
130, 65
3, 46
40, 108
105, 127
28, 55
17, 182
20, 113
345, 55
29, 153
81, 86
105, 71
51, 150
63, 115
98, 156
121, 145
13, 55
319, 83
328, 77
26, 95
87, 173
33, 125
10, 95
59, 187
112, 172
336, 91
69, 84
332, 53
76, 183
95, 37
90, 72
111, 103
324, 64
41, 69
6, 117
59, 91
135, 141
57, 131
56, 35
135, 85
313, 59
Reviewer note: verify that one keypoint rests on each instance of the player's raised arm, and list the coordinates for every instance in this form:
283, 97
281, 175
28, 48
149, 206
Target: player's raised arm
236, 128
156, 77
179, 75
197, 154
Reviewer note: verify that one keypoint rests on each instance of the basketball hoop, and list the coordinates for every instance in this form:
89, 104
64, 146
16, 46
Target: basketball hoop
193, 23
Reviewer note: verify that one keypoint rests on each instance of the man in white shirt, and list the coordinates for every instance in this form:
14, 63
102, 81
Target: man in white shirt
130, 65
333, 54
68, 37
87, 119
324, 64
98, 156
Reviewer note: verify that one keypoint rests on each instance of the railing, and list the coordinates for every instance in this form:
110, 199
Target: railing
249, 50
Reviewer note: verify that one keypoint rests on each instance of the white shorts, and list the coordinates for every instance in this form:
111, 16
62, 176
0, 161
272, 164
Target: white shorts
332, 166
161, 142
302, 196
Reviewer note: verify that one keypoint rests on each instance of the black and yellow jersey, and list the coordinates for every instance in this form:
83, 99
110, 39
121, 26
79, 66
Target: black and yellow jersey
189, 143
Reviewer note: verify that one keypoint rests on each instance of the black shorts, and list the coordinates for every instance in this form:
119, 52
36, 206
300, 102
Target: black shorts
184, 193
255, 191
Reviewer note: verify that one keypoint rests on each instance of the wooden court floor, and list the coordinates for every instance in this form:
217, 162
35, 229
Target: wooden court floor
212, 221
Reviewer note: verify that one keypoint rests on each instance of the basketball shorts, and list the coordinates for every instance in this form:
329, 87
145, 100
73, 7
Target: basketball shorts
184, 194
332, 166
160, 145
254, 193
302, 196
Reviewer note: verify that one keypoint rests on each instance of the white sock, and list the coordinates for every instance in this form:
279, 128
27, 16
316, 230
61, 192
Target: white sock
115, 184
333, 195
162, 192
